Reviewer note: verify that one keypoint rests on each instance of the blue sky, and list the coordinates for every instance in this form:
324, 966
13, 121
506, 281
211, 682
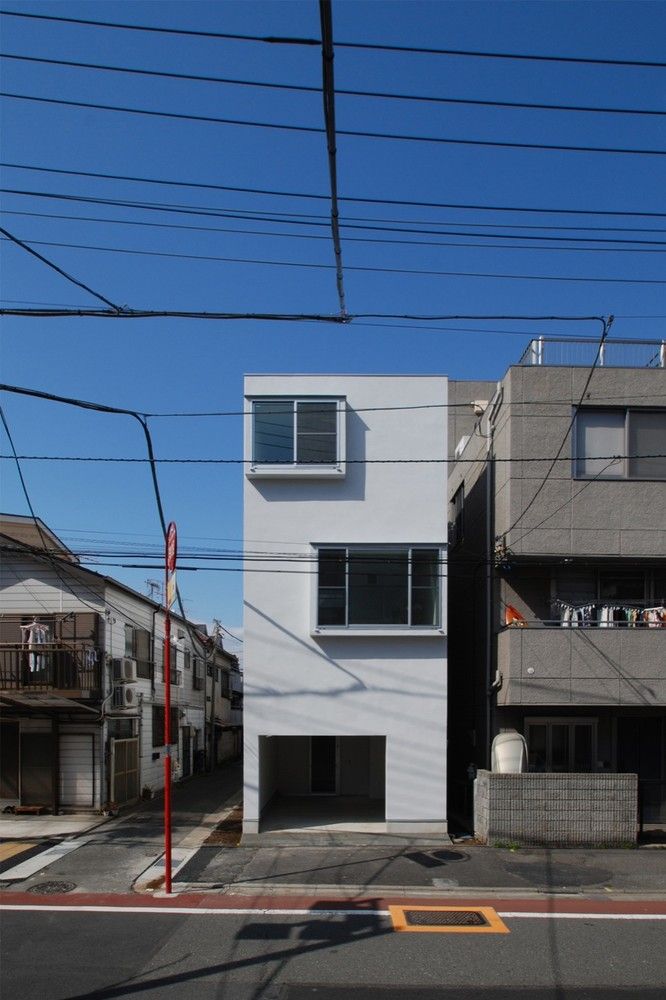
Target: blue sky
181, 365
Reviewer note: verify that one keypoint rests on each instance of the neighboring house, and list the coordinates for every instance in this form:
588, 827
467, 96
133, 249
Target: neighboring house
222, 724
345, 648
82, 681
558, 578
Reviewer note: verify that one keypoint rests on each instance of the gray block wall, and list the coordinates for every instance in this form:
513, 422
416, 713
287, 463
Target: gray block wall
556, 810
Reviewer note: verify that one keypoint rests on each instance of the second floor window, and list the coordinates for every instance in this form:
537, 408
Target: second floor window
638, 435
295, 432
137, 645
379, 587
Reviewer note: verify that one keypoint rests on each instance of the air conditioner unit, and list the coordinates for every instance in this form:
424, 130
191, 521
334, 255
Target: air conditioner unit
124, 669
125, 697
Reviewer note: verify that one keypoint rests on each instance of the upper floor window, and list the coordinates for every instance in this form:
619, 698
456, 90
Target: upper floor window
379, 587
297, 432
638, 435
138, 642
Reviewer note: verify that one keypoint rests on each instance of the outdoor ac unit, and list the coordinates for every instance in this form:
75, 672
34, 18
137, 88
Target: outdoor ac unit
125, 697
124, 669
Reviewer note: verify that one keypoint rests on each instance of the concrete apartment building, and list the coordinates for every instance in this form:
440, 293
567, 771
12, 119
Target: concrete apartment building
82, 683
558, 578
345, 654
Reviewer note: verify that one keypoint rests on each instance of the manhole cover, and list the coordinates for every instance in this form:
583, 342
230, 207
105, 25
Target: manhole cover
451, 919
51, 888
445, 918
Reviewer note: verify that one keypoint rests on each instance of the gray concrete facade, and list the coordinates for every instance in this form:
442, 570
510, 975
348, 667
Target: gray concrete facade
537, 540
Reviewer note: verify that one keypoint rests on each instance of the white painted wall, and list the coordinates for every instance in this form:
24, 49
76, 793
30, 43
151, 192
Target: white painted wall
350, 685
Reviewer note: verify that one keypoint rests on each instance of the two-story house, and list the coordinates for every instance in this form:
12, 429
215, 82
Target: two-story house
223, 726
345, 635
82, 683
558, 576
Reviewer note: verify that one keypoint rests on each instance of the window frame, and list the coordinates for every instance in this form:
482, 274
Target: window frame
324, 470
381, 629
571, 722
617, 472
133, 636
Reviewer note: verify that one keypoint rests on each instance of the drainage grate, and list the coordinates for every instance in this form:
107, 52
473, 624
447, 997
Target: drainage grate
445, 918
51, 888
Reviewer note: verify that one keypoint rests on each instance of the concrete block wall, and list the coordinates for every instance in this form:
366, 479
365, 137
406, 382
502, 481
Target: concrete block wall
554, 810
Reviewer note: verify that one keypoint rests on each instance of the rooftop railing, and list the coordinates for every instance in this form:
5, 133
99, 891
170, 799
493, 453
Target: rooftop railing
582, 351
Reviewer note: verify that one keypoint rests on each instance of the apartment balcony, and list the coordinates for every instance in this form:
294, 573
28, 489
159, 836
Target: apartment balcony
72, 669
547, 664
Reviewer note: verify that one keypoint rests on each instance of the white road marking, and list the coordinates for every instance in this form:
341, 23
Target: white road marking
510, 915
27, 868
312, 914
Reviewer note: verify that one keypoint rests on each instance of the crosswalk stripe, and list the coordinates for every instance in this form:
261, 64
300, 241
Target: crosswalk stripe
13, 847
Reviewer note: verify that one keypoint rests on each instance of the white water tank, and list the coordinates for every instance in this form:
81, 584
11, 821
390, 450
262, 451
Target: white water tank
509, 753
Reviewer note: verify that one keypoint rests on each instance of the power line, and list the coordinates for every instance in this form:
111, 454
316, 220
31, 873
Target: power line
643, 248
317, 130
479, 460
345, 92
328, 93
370, 46
54, 267
350, 267
323, 197
311, 219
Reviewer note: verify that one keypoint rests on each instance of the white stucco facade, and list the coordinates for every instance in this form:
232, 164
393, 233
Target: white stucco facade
385, 683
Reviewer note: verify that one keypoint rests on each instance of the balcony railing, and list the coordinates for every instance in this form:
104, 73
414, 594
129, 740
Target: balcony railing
73, 667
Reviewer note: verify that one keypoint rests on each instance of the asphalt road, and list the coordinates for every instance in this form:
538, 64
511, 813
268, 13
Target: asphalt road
260, 955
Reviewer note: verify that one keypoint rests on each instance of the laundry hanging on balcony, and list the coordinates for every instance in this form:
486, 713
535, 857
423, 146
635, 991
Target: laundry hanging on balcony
35, 635
610, 616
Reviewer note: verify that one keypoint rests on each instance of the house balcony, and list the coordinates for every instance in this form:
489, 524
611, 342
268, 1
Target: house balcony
72, 669
546, 664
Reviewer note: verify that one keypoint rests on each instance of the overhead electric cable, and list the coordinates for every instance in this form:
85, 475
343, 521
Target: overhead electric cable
59, 270
634, 245
322, 197
344, 92
370, 46
328, 94
311, 219
154, 462
317, 130
351, 267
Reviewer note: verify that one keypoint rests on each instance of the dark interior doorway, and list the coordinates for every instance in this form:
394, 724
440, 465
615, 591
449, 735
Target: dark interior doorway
36, 769
323, 765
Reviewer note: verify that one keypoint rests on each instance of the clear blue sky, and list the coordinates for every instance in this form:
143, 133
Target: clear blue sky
180, 365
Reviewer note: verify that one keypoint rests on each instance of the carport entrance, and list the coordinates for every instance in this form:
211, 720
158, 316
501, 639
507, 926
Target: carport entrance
322, 782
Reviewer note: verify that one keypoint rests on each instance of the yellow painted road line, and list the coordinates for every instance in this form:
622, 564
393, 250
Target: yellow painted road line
12, 848
492, 923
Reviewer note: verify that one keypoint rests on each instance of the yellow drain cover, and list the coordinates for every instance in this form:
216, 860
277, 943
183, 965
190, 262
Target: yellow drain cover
448, 919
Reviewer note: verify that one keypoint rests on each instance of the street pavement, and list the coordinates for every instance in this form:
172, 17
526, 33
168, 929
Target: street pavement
85, 916
126, 854
201, 953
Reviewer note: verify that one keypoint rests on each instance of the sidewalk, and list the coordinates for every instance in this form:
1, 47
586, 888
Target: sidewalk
126, 854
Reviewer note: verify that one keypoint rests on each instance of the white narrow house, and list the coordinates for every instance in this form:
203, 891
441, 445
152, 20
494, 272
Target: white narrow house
345, 672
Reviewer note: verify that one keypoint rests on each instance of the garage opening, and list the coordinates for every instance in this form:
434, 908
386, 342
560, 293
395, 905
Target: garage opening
323, 781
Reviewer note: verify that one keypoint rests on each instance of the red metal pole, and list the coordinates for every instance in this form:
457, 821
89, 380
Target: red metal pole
167, 736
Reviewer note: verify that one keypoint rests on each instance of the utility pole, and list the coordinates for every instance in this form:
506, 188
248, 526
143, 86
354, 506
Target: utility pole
217, 629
